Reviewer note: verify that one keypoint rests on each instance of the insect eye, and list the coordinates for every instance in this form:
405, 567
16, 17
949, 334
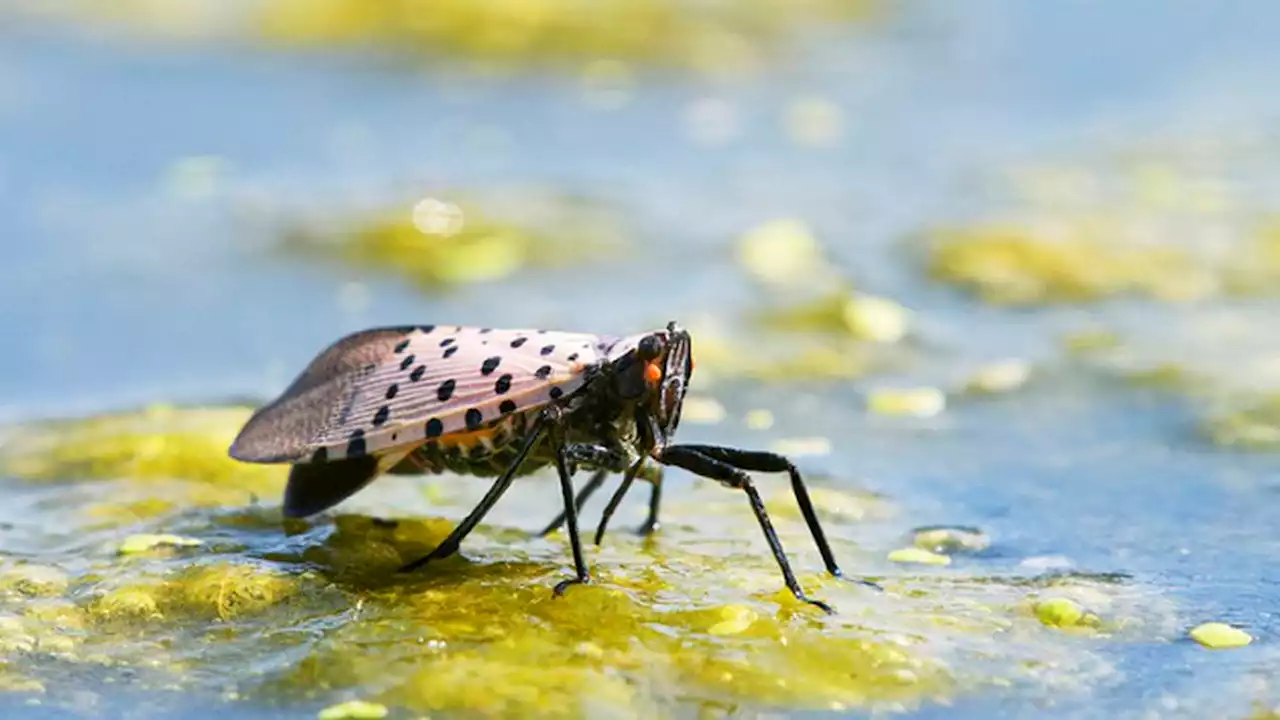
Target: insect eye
652, 373
649, 348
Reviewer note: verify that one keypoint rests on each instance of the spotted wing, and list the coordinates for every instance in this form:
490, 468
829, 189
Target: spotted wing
390, 387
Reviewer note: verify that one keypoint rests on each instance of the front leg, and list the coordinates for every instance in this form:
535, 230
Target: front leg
759, 461
692, 459
772, 462
608, 461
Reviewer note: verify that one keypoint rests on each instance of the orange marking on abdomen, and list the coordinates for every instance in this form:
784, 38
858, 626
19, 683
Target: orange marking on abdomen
466, 439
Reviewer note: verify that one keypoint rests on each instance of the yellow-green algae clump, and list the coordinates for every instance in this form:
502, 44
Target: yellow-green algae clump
1165, 223
162, 457
1016, 266
1220, 636
717, 37
222, 590
437, 244
1254, 426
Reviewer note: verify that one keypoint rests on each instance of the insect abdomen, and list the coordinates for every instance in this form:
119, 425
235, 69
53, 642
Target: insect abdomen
481, 453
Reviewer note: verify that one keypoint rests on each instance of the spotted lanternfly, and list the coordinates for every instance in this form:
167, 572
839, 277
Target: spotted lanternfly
501, 403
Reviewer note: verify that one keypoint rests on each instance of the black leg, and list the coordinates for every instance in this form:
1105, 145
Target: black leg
571, 519
773, 462
597, 456
586, 492
618, 494
651, 523
692, 459
593, 455
464, 528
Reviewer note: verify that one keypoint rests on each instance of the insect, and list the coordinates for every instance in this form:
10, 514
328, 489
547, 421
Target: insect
502, 403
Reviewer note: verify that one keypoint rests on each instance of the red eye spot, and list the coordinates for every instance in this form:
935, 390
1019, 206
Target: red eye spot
652, 373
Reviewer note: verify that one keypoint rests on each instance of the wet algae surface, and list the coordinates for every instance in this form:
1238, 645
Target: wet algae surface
1026, 361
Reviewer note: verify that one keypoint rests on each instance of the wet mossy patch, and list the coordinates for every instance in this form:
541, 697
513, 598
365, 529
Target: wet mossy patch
511, 35
150, 463
1172, 222
1250, 425
694, 619
437, 244
1019, 266
158, 443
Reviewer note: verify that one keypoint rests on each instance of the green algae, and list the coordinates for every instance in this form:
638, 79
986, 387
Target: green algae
353, 710
722, 358
692, 620
1254, 425
608, 647
157, 443
222, 590
1064, 613
148, 542
32, 580
641, 31
843, 312
437, 244
1173, 224
950, 539
1015, 266
917, 556
1219, 636
504, 34
151, 463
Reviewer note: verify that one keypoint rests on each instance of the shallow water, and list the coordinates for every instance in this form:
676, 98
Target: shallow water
133, 275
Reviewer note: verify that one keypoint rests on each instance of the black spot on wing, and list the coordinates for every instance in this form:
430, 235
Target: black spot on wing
406, 362
519, 341
445, 391
434, 428
356, 446
503, 385
490, 364
474, 419
285, 430
417, 373
543, 372
380, 417
506, 407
